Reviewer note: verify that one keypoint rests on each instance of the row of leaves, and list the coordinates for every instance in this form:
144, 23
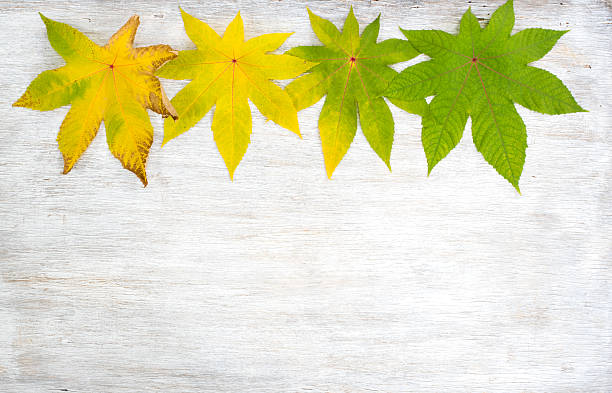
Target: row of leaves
479, 73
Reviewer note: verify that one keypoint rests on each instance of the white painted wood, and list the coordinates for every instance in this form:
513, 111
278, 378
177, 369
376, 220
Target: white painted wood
283, 281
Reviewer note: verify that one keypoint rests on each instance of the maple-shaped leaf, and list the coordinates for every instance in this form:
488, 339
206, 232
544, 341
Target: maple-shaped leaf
352, 71
481, 73
226, 72
114, 83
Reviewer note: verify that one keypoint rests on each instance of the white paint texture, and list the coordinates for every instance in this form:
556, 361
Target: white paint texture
283, 281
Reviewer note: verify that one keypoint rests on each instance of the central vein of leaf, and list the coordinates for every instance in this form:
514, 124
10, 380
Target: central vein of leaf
352, 61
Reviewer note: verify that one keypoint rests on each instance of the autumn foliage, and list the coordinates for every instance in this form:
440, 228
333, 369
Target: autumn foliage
480, 73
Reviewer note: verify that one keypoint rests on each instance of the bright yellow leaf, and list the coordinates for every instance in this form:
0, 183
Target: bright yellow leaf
114, 83
227, 72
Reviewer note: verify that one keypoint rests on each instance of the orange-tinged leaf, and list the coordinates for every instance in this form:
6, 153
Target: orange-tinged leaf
115, 83
228, 71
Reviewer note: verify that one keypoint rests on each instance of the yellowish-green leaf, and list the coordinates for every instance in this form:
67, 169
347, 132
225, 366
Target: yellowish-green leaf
114, 83
353, 71
227, 72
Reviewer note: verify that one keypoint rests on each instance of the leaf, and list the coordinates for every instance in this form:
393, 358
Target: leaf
352, 72
480, 73
114, 83
226, 71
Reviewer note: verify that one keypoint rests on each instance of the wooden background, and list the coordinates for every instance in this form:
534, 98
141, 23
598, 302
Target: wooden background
283, 281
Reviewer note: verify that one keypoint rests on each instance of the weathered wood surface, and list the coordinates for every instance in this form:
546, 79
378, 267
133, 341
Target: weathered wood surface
283, 281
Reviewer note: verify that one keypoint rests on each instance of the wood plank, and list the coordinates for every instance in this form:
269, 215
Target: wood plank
283, 281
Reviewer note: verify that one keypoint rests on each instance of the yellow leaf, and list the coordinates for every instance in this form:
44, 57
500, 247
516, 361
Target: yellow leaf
114, 83
227, 72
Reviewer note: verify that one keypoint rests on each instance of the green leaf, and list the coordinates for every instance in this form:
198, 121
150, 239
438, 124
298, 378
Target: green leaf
480, 73
352, 71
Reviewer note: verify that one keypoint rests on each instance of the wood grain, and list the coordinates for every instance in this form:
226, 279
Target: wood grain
283, 281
